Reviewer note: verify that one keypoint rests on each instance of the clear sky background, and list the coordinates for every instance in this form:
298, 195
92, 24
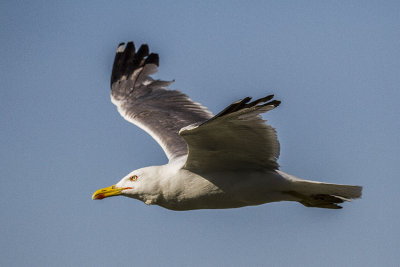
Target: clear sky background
334, 64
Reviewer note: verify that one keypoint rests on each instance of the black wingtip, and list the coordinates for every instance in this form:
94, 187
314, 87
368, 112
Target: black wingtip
245, 100
267, 98
260, 100
275, 103
152, 59
130, 47
143, 51
120, 48
127, 60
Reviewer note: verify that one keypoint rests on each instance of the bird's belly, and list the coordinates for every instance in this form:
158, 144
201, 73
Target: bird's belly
227, 190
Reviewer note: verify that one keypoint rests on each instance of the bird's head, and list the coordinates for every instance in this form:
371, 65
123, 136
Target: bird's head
129, 186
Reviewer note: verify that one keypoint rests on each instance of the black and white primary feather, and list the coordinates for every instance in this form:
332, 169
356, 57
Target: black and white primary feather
224, 161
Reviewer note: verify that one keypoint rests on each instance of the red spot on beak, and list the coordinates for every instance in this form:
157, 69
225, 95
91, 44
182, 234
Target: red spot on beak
128, 188
100, 196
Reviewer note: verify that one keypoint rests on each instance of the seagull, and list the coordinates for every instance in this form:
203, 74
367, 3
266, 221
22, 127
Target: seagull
214, 162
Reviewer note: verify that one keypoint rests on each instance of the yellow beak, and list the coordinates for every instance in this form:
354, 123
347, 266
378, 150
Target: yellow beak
107, 192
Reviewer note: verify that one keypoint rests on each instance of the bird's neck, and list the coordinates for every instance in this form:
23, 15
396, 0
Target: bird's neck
150, 191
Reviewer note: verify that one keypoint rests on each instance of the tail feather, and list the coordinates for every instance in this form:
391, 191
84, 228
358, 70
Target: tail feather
319, 200
322, 195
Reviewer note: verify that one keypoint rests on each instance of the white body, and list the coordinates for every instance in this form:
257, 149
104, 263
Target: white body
175, 188
223, 190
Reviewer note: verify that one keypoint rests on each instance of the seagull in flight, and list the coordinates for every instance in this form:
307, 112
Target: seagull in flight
228, 160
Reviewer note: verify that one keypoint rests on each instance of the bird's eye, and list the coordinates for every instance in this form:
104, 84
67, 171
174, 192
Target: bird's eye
133, 178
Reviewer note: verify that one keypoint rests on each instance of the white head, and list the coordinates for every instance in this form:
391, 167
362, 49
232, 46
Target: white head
140, 184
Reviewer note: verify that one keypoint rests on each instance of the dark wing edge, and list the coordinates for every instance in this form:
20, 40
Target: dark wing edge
148, 103
135, 66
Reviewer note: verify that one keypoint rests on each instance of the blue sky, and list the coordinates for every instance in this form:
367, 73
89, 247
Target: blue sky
335, 66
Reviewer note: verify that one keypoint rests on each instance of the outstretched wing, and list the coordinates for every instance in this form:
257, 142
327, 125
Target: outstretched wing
149, 103
235, 139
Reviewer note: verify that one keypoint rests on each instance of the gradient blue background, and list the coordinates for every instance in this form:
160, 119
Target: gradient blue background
335, 66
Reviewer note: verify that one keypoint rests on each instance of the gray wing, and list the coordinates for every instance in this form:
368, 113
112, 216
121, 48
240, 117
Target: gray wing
148, 103
235, 139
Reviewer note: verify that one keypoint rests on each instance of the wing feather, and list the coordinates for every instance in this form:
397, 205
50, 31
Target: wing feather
235, 139
148, 103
